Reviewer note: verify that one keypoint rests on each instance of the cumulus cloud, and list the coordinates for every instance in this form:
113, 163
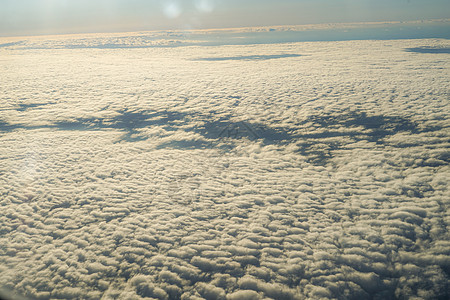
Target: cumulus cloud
153, 173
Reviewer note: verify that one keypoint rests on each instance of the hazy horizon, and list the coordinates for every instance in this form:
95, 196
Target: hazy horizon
426, 29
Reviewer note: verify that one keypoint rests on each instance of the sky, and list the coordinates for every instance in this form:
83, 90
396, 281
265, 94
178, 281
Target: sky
36, 17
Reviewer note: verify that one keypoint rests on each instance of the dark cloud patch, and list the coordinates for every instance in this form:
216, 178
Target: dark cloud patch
319, 146
249, 57
318, 153
187, 144
432, 50
131, 121
27, 106
6, 126
126, 121
226, 128
323, 135
375, 128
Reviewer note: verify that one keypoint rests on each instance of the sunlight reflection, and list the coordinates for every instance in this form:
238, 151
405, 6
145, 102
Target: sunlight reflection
172, 10
205, 6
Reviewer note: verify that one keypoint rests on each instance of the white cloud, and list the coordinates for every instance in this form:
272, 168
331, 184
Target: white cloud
131, 173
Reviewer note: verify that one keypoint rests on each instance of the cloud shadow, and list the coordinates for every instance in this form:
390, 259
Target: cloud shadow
24, 106
249, 57
128, 121
10, 44
225, 133
434, 50
317, 148
229, 129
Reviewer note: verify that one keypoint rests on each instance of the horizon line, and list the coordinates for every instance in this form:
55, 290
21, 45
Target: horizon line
311, 26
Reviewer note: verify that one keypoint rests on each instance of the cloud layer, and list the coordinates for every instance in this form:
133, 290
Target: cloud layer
180, 173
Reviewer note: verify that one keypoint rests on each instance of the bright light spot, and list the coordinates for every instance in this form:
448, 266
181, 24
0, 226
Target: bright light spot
204, 5
172, 10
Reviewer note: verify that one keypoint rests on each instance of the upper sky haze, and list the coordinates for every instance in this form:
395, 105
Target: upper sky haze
37, 17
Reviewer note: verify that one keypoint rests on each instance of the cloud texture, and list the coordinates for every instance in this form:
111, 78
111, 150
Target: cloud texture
179, 173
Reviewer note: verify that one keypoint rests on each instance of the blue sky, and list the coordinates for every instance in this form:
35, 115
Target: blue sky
29, 17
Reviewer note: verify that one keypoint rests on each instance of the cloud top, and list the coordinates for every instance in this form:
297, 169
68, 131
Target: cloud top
133, 173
